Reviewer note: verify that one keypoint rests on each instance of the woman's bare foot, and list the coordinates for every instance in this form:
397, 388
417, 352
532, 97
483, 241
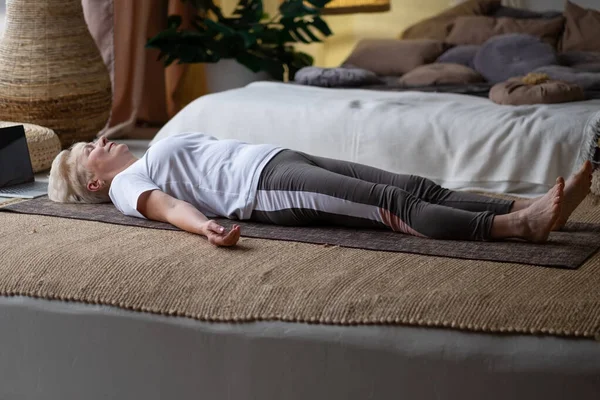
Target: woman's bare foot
576, 189
537, 220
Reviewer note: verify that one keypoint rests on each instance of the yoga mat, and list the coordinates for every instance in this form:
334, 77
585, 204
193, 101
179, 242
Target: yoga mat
565, 249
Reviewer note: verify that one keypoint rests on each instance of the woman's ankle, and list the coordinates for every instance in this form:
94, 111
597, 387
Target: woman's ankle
511, 225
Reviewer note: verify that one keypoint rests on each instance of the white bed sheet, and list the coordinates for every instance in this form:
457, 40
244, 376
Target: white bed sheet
461, 142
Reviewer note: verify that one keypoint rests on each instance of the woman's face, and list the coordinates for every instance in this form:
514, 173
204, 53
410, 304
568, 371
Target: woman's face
103, 158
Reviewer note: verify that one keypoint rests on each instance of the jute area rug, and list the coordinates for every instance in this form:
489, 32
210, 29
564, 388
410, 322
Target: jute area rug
176, 273
565, 249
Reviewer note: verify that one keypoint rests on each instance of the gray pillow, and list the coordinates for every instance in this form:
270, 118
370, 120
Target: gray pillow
587, 80
335, 77
505, 56
463, 55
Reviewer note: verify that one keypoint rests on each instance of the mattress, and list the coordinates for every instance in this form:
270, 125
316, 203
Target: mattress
68, 350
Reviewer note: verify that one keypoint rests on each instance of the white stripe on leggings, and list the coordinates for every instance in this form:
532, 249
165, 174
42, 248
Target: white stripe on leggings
277, 200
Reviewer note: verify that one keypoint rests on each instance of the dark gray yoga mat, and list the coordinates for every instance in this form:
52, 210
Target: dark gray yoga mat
565, 249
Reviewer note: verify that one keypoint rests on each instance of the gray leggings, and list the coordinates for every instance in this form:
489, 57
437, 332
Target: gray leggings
299, 189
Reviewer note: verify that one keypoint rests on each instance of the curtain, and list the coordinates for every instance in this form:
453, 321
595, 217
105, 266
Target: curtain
143, 90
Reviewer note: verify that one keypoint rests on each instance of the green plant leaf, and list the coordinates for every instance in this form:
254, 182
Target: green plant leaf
306, 30
296, 9
249, 11
267, 36
299, 35
302, 59
185, 46
221, 28
249, 61
199, 4
204, 6
300, 29
285, 36
321, 25
319, 3
248, 39
263, 60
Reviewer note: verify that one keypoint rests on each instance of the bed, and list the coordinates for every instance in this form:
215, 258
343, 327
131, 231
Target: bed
461, 142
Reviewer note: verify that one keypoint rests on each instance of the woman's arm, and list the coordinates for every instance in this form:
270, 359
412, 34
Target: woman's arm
159, 206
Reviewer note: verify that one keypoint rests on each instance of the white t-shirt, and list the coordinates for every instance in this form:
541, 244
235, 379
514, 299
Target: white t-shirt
218, 177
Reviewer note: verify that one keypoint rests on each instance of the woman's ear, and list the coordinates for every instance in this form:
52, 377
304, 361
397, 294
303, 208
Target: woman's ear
95, 185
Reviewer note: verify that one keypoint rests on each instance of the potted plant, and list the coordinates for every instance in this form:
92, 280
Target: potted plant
251, 37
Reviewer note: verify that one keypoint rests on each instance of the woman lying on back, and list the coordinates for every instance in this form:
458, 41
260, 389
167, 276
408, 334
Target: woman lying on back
189, 178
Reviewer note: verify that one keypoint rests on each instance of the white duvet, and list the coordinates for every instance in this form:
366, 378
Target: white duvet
461, 142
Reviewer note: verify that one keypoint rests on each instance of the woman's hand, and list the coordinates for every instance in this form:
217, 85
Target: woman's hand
218, 235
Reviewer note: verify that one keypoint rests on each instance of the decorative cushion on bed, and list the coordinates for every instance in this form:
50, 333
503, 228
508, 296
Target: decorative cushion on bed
393, 56
43, 144
517, 92
512, 12
476, 30
587, 80
507, 56
439, 26
440, 74
335, 77
582, 29
463, 55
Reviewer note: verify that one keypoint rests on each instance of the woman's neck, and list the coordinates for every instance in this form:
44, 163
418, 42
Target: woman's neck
117, 171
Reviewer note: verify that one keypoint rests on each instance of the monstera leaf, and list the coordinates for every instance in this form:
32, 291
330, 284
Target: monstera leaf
249, 11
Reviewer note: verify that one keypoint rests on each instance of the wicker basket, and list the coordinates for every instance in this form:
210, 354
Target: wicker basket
51, 72
43, 145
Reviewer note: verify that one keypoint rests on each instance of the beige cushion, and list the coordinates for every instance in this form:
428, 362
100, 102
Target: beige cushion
515, 92
439, 26
477, 30
440, 74
582, 29
394, 57
43, 144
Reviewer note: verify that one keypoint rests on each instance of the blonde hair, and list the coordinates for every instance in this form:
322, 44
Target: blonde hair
68, 179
